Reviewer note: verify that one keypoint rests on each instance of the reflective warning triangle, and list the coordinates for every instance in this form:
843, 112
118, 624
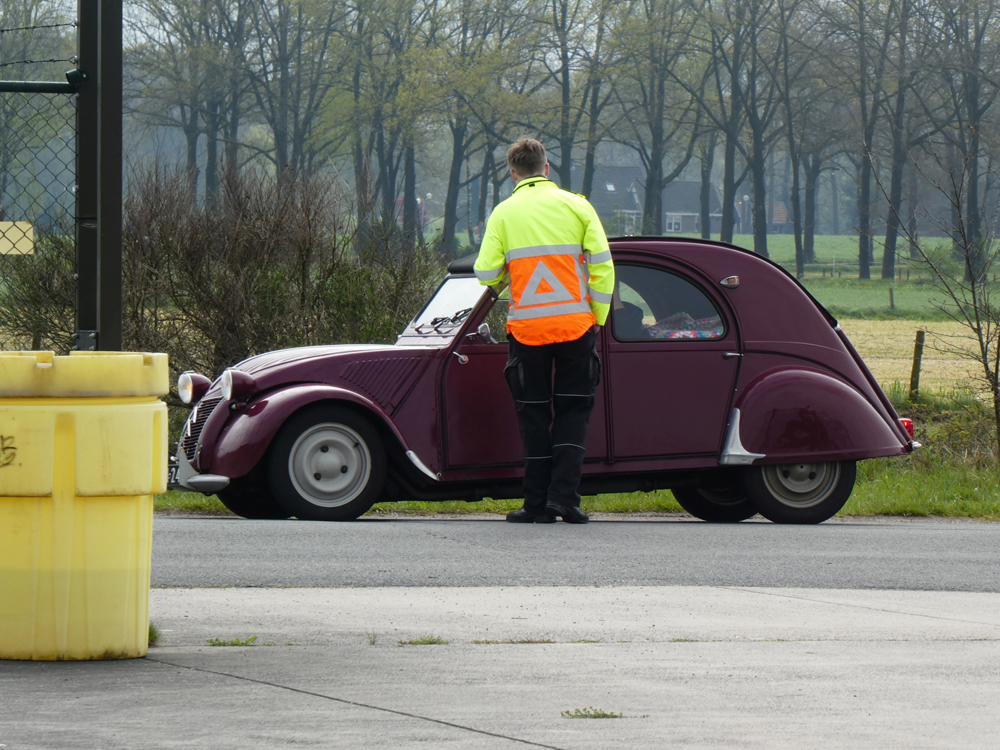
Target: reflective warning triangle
553, 290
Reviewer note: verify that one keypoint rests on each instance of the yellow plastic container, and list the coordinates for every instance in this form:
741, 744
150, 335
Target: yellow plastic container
83, 449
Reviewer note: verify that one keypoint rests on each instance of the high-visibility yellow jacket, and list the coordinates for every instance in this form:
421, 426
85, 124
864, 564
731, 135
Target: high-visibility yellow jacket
549, 245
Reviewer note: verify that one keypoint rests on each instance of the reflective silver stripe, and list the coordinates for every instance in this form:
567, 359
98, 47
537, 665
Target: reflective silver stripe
602, 257
566, 308
570, 445
536, 458
539, 251
489, 275
582, 276
599, 296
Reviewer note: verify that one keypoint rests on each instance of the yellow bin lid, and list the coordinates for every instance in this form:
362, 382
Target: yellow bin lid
82, 374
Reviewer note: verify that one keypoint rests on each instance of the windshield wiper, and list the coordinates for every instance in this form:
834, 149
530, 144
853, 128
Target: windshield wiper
456, 318
438, 323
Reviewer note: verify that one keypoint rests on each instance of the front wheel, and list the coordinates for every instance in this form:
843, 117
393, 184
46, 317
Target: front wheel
251, 499
800, 493
715, 505
327, 464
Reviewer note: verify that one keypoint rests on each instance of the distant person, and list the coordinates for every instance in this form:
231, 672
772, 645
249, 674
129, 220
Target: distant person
549, 245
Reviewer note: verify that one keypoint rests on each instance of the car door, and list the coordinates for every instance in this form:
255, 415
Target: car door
479, 419
672, 359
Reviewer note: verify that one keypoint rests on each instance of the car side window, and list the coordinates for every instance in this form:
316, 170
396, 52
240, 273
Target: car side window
652, 304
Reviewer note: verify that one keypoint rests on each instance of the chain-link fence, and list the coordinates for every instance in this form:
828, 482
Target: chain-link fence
37, 210
37, 177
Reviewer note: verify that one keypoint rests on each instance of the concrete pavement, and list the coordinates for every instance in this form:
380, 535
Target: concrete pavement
685, 666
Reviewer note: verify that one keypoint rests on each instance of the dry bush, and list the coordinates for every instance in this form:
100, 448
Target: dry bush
266, 265
37, 295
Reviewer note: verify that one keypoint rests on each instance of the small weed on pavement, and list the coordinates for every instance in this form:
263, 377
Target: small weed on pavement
427, 640
154, 635
590, 713
508, 641
234, 642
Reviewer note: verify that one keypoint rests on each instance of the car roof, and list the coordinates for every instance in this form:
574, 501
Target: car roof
464, 266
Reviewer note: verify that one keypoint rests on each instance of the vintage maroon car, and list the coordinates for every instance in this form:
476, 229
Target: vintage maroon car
723, 381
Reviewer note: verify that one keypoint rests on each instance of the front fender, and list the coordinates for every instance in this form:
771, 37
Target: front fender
790, 415
245, 438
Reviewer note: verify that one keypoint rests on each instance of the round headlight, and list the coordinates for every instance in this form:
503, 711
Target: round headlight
227, 385
237, 385
191, 387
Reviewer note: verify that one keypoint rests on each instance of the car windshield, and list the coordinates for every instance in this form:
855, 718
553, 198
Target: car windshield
446, 313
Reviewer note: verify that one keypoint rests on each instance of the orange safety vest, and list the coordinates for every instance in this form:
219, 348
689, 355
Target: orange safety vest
548, 294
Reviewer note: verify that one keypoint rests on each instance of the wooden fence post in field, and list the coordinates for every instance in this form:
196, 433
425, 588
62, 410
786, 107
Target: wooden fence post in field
918, 354
892, 302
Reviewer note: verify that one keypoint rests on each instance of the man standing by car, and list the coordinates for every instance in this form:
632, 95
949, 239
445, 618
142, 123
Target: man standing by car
549, 246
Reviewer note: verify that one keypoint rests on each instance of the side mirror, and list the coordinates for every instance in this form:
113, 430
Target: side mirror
483, 334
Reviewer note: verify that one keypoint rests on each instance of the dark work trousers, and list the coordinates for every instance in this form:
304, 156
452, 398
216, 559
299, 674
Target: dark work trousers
553, 414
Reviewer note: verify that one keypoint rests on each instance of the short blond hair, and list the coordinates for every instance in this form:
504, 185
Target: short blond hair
526, 157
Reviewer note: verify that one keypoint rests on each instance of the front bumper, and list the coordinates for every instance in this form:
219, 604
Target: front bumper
182, 476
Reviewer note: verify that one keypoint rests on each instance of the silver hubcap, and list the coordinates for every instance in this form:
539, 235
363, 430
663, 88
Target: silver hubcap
329, 465
802, 485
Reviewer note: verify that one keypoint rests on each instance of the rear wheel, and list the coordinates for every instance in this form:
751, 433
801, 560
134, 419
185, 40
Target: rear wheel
717, 504
327, 464
802, 492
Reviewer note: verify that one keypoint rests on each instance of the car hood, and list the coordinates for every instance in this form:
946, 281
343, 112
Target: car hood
381, 373
263, 363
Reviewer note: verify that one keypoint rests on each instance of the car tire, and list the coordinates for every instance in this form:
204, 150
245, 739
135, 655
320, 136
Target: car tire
327, 464
801, 492
251, 498
723, 505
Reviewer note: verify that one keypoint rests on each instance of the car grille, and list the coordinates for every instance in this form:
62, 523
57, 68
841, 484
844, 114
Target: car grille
194, 427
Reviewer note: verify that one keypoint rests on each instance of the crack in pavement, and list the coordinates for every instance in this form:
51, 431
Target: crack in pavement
860, 606
353, 703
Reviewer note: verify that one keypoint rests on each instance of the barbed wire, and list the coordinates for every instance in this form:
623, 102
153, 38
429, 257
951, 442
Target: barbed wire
39, 62
43, 26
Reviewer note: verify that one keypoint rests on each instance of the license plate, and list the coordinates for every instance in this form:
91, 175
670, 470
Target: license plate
172, 475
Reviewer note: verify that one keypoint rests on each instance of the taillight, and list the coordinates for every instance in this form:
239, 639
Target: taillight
907, 425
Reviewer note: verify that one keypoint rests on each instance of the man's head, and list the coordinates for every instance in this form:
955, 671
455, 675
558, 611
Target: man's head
526, 158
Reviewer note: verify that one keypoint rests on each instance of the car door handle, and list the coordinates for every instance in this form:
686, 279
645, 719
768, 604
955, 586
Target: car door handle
462, 359
730, 355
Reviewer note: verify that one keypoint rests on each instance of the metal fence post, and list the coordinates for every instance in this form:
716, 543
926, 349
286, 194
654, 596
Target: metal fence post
87, 129
109, 154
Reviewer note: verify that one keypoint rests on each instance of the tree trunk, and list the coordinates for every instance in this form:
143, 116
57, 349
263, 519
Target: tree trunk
911, 213
212, 153
812, 165
705, 195
459, 127
484, 187
409, 198
589, 158
652, 208
759, 194
800, 253
728, 190
864, 214
895, 185
835, 202
973, 221
191, 135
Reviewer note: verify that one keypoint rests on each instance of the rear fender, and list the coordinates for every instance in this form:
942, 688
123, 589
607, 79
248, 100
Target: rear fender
246, 436
788, 415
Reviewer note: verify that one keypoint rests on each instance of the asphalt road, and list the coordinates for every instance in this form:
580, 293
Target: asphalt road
671, 551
